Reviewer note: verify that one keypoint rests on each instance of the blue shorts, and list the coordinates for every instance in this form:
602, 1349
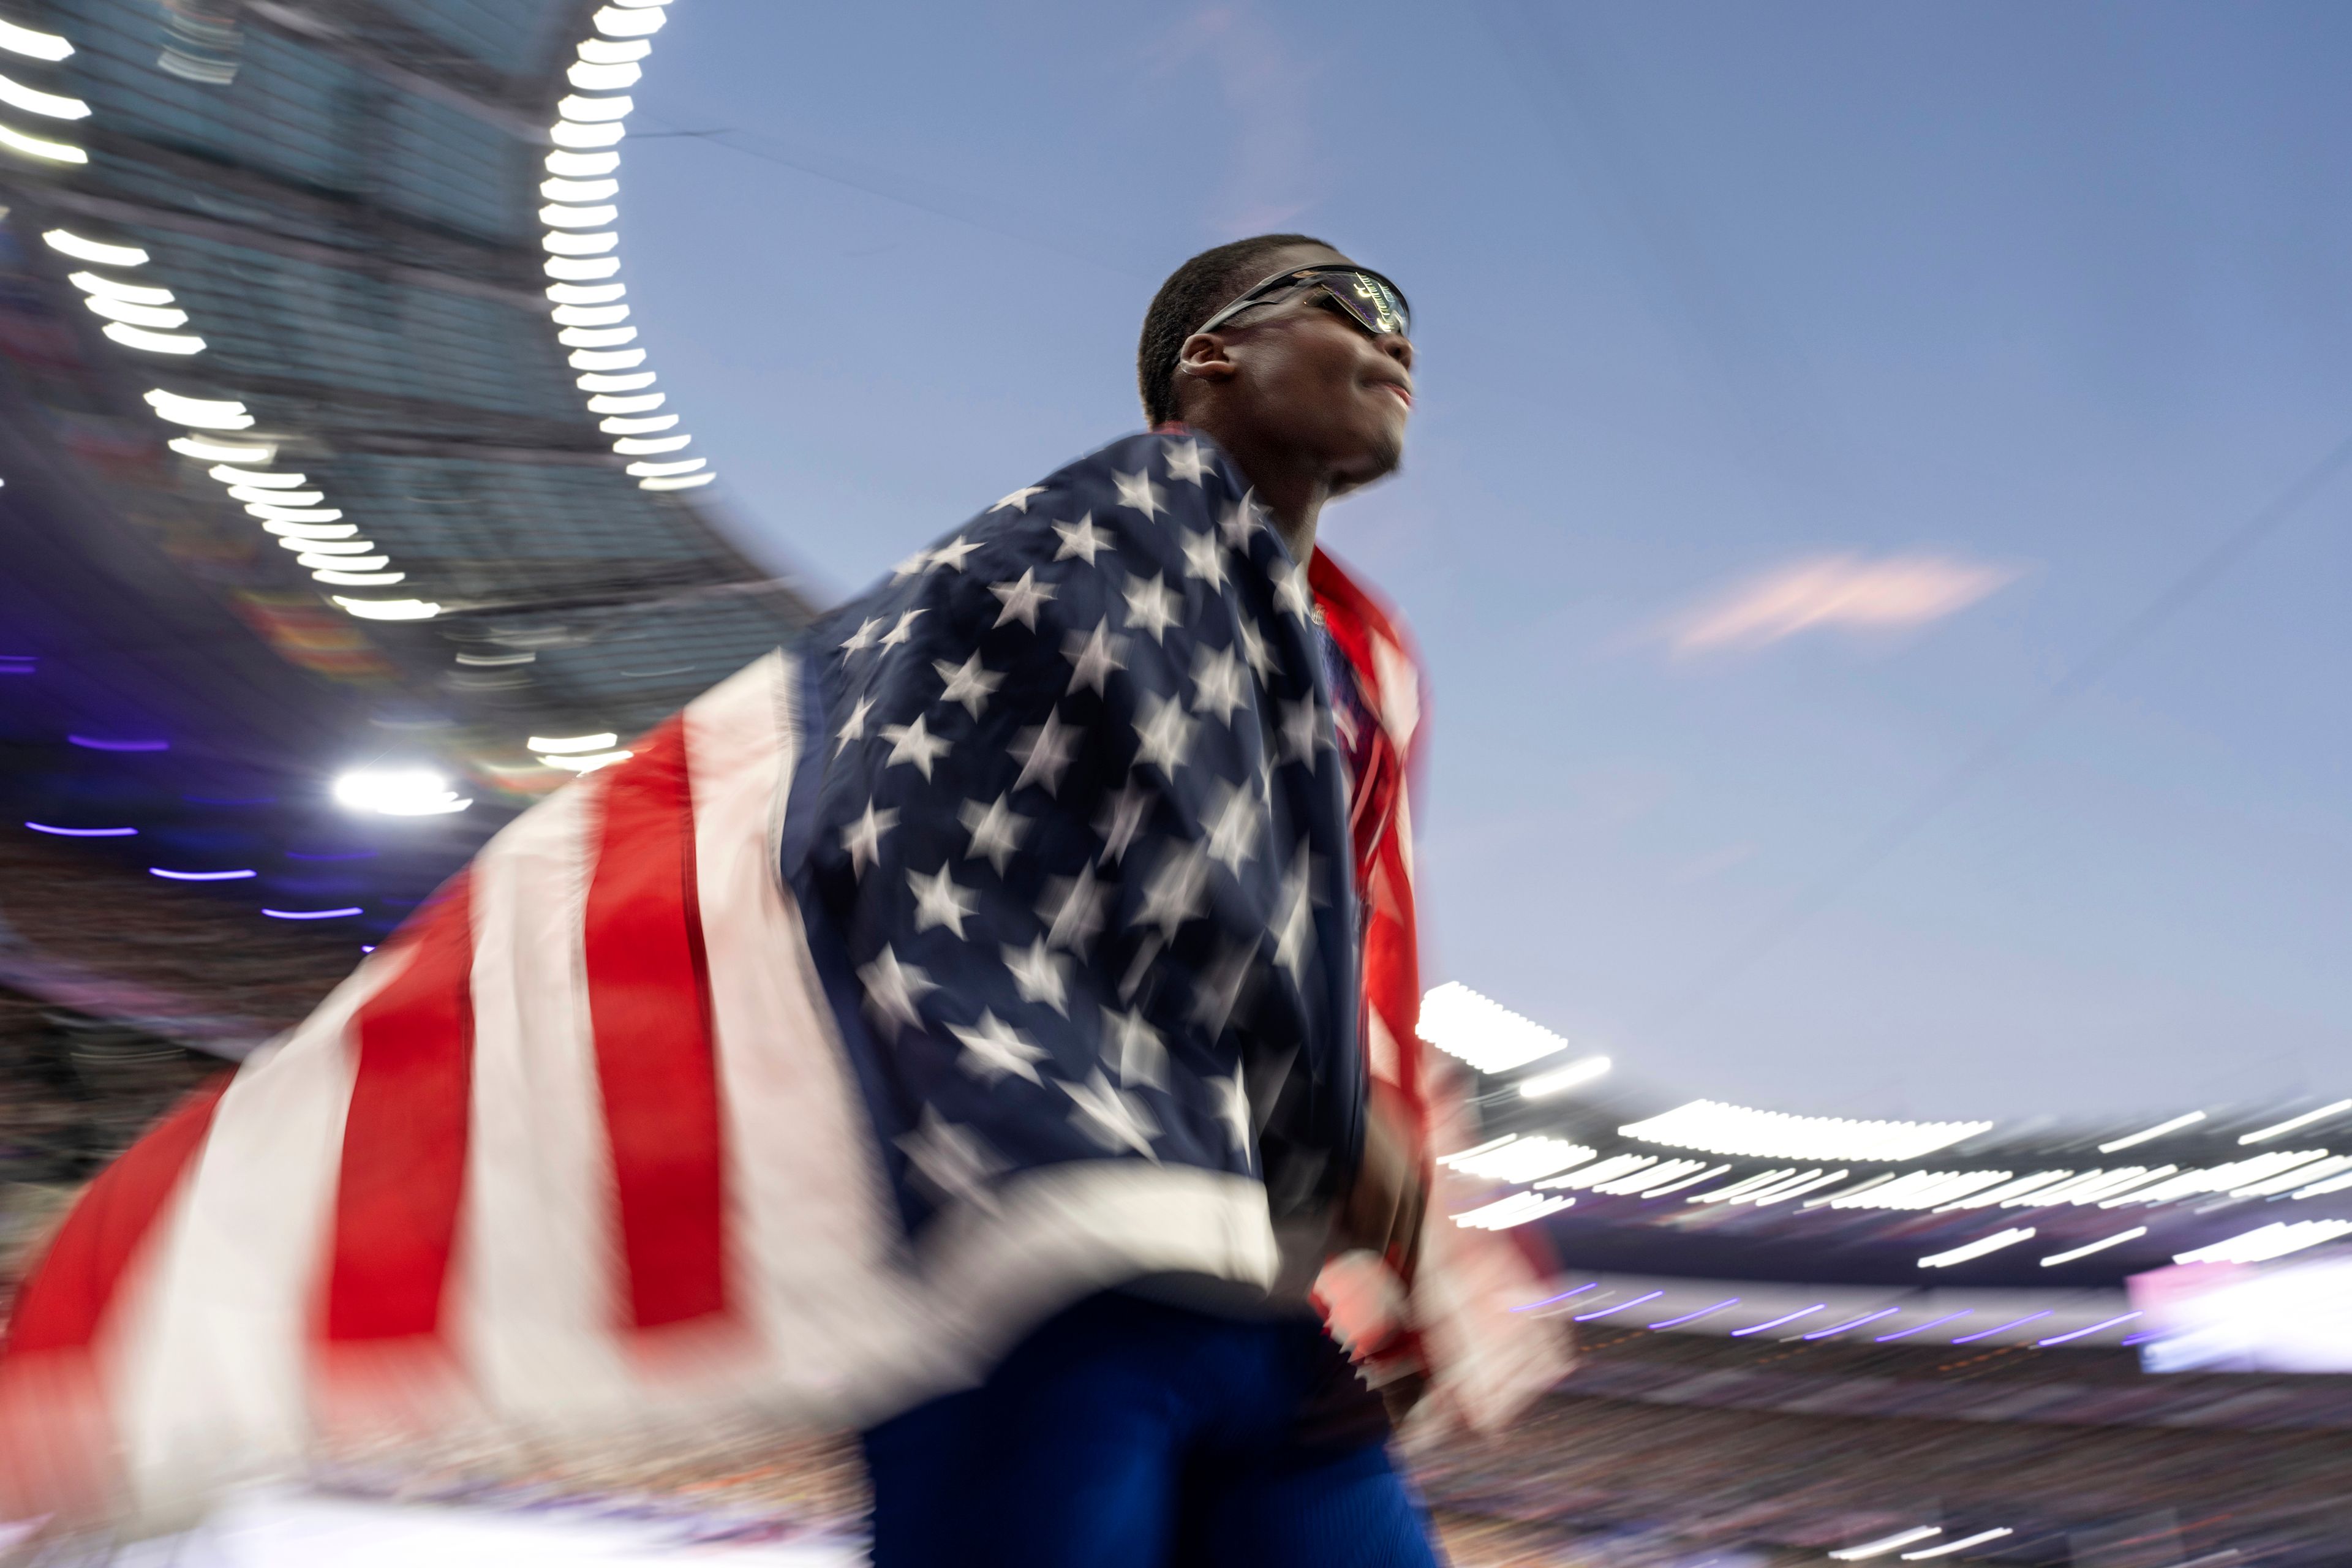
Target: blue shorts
1127, 1434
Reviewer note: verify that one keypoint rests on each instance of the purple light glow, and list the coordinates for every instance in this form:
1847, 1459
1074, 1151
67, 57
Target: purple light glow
199, 876
1854, 1323
95, 743
2018, 1323
1694, 1317
1563, 1296
1930, 1324
2094, 1327
84, 832
1588, 1317
1775, 1322
367, 947
312, 914
2143, 1337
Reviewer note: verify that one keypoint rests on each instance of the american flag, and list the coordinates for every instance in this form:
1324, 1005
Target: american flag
997, 942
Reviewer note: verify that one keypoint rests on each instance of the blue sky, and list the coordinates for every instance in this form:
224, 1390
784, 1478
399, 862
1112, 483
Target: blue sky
1806, 390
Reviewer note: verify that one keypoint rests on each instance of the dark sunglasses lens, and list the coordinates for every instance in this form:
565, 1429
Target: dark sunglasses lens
1370, 301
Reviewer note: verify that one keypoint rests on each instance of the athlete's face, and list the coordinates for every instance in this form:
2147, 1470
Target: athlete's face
1305, 380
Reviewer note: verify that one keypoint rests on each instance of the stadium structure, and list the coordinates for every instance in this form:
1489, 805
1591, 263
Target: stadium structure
343, 516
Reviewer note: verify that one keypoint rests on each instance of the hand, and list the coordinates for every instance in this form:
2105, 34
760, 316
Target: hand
1384, 1209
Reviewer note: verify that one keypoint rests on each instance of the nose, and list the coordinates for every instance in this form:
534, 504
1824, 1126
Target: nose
1397, 346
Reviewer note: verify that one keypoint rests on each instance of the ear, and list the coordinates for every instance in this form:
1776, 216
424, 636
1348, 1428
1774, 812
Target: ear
1207, 357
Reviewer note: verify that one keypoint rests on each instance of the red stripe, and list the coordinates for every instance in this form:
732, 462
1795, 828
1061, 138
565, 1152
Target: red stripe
404, 1167
649, 1003
65, 1298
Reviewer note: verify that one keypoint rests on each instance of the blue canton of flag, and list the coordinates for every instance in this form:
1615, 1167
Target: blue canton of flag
1070, 842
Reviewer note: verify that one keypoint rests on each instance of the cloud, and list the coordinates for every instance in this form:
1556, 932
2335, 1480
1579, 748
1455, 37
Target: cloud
1848, 591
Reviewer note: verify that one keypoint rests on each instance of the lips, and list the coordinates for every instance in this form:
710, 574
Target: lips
1403, 393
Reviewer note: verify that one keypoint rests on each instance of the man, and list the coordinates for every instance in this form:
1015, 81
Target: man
1100, 783
1009, 988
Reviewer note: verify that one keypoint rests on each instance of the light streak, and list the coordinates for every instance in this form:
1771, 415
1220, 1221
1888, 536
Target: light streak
2265, 1135
53, 828
1563, 1296
1922, 1328
41, 147
20, 40
99, 744
1979, 1247
1719, 1129
2268, 1242
2055, 1258
2094, 1327
1784, 1317
2014, 1323
313, 914
199, 875
1695, 1317
1853, 1323
1589, 1316
1962, 1546
2158, 1131
67, 242
1886, 1544
595, 743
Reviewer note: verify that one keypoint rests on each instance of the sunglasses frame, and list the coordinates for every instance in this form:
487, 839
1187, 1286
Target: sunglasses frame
1324, 277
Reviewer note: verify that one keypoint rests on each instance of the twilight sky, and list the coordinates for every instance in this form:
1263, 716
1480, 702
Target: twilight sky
1829, 416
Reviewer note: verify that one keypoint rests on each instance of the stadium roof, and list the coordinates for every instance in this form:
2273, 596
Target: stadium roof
326, 440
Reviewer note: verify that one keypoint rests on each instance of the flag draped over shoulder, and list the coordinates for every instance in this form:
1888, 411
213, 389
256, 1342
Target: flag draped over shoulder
995, 943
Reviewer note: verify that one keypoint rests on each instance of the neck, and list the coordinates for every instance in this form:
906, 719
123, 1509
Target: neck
1291, 489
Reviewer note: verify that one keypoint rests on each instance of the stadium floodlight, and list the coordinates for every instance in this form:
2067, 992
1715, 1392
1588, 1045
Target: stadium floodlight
1481, 1031
2277, 1130
582, 165
610, 52
339, 568
360, 579
1519, 1208
41, 147
137, 315
647, 427
589, 77
387, 609
556, 189
581, 269
589, 763
647, 446
1978, 1539
566, 133
639, 404
2158, 1131
605, 359
596, 337
615, 23
272, 512
309, 547
1719, 1129
557, 242
589, 315
131, 293
33, 101
311, 529
1559, 1080
554, 214
1979, 1247
590, 294
209, 451
1885, 1544
66, 242
33, 46
683, 482
288, 499
567, 745
2273, 1240
200, 412
1513, 1158
1605, 1175
229, 474
132, 337
664, 470
595, 110
634, 4
2055, 1258
397, 792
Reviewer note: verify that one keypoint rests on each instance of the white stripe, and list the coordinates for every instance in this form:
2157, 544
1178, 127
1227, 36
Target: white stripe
810, 1228
534, 1308
213, 1387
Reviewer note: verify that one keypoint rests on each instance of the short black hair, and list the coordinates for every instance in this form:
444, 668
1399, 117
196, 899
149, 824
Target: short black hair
1194, 292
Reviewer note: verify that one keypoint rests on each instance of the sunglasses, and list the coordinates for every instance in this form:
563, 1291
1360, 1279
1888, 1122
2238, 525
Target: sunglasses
1376, 304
